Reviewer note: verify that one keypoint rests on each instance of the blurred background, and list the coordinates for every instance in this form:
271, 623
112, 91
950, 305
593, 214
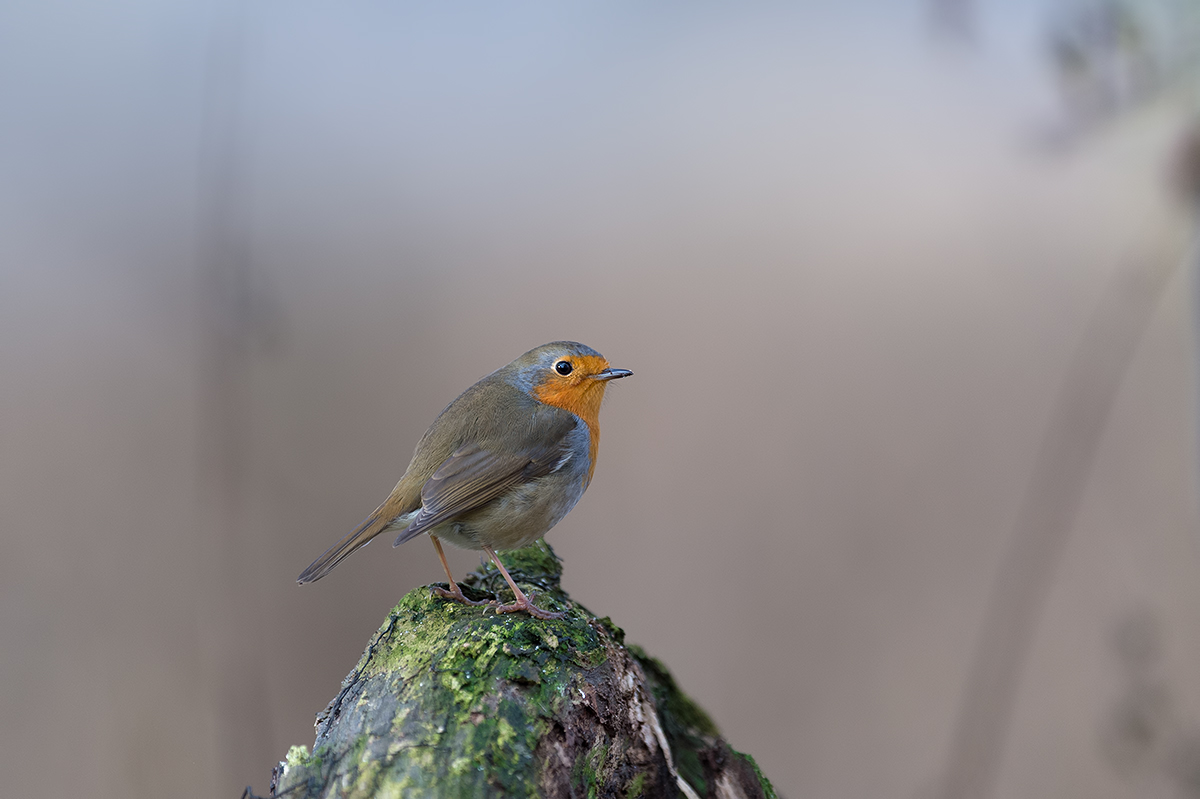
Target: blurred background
903, 490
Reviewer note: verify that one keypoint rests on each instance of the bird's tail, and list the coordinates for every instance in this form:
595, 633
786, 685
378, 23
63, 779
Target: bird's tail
372, 526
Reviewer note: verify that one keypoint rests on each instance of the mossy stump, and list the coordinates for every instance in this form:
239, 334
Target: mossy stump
456, 701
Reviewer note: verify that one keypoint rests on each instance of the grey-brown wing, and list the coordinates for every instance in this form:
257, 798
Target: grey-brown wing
473, 476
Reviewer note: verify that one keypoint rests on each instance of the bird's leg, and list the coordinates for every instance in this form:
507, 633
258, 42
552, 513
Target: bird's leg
455, 592
522, 602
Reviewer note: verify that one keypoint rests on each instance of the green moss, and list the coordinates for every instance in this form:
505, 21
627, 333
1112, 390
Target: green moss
466, 681
613, 630
452, 700
367, 773
536, 564
768, 789
689, 730
686, 715
587, 773
297, 756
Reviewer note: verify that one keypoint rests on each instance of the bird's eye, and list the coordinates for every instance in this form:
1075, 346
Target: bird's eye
564, 368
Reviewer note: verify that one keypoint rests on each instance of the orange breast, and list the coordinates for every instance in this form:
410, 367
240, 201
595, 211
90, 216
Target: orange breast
580, 395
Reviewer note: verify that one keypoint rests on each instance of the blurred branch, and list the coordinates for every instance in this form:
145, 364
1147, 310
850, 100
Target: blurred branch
1043, 524
236, 313
231, 321
954, 19
224, 268
1108, 57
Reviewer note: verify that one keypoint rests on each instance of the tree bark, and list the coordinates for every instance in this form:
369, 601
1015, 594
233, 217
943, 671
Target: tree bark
456, 701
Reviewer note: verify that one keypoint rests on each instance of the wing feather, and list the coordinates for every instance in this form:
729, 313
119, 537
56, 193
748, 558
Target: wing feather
473, 476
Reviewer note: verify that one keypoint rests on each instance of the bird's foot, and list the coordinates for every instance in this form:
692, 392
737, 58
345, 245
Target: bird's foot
455, 593
525, 603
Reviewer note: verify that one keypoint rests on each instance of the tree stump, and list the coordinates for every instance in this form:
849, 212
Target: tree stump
456, 701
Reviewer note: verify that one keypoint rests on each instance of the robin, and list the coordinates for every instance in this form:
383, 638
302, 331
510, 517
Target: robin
500, 466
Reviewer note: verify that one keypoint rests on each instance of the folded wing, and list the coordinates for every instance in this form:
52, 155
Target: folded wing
473, 476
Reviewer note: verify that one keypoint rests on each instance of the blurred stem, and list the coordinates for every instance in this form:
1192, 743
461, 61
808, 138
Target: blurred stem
953, 18
1043, 524
228, 325
224, 277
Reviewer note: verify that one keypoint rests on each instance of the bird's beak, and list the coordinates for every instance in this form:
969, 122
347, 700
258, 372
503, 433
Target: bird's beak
611, 374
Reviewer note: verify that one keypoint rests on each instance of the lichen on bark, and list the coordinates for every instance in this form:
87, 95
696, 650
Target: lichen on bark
450, 700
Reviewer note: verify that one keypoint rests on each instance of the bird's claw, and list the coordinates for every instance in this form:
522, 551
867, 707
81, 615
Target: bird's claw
457, 595
526, 604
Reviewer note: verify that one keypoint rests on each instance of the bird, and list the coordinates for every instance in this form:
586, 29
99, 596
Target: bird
500, 466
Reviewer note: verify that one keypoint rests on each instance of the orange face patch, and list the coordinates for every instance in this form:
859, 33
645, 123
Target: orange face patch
578, 393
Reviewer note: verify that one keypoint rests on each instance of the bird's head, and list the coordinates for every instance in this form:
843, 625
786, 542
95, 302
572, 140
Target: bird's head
567, 375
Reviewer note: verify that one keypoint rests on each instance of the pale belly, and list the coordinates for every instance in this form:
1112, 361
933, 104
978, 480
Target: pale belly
518, 518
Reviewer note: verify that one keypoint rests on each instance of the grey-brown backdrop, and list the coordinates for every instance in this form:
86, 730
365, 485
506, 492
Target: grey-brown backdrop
249, 251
